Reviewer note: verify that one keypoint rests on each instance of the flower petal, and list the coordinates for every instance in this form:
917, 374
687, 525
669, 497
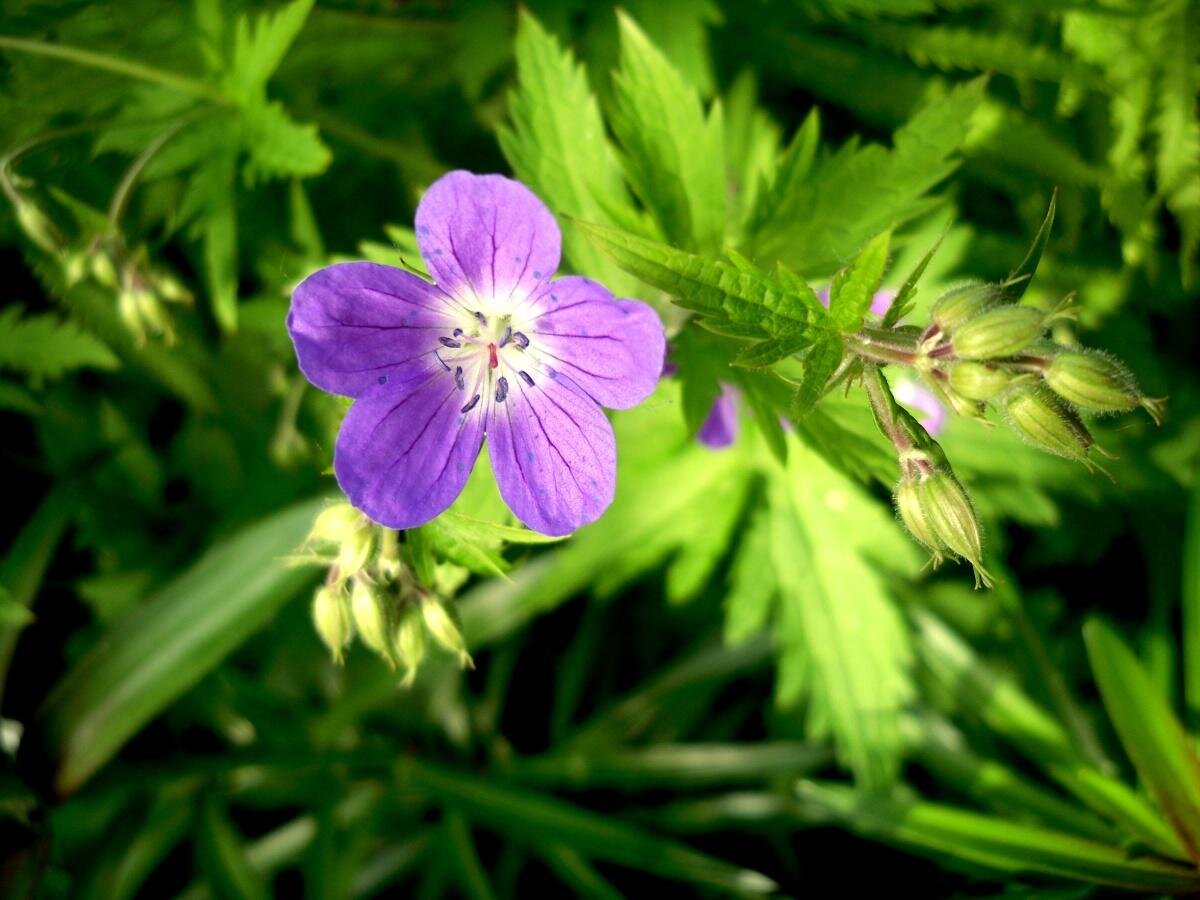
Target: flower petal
720, 429
554, 455
405, 449
487, 236
356, 324
613, 349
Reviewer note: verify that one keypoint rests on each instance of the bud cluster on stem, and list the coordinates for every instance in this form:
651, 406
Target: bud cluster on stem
982, 348
372, 591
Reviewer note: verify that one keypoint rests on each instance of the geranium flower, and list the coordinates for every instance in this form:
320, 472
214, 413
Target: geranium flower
494, 348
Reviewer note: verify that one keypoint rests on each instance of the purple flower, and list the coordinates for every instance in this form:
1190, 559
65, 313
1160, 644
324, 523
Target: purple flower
494, 348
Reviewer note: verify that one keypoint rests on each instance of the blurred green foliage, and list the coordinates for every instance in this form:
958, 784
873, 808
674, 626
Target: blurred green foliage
742, 670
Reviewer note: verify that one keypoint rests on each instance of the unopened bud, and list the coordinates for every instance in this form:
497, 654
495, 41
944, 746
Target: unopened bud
908, 507
372, 617
445, 630
37, 227
331, 617
999, 332
960, 304
130, 315
103, 269
1047, 423
410, 645
951, 518
74, 267
979, 381
343, 525
171, 290
1094, 382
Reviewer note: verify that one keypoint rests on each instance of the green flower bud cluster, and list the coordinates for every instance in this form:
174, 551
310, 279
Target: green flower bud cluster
937, 511
981, 349
371, 592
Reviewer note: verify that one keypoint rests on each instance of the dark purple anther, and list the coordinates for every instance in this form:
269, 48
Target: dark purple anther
470, 404
501, 389
458, 378
506, 337
442, 361
525, 377
481, 317
450, 342
520, 340
457, 332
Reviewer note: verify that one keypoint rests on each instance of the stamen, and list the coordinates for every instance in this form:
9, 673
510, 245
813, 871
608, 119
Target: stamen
525, 377
481, 317
520, 339
458, 378
457, 332
470, 405
507, 336
442, 361
493, 362
449, 342
501, 389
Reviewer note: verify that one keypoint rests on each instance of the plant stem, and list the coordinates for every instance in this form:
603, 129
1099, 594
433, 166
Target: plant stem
116, 65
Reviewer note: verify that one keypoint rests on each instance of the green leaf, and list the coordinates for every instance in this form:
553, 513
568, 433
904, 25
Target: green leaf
1018, 280
753, 585
45, 346
995, 843
1191, 606
464, 545
767, 353
168, 644
820, 362
1149, 732
556, 144
528, 817
721, 291
854, 287
259, 46
673, 155
224, 859
13, 615
903, 304
278, 147
703, 361
856, 193
493, 531
835, 610
790, 175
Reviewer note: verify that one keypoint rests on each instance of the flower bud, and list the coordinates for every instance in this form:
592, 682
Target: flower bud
171, 290
130, 315
37, 227
960, 304
410, 645
331, 617
343, 525
999, 332
74, 267
103, 269
979, 381
1093, 382
951, 517
1044, 421
372, 617
445, 631
908, 507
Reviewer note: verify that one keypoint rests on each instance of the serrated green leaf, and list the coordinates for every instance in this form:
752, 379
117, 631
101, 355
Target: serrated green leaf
717, 289
790, 175
834, 607
1152, 736
278, 147
464, 546
556, 144
854, 287
820, 362
859, 192
45, 346
673, 154
260, 45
